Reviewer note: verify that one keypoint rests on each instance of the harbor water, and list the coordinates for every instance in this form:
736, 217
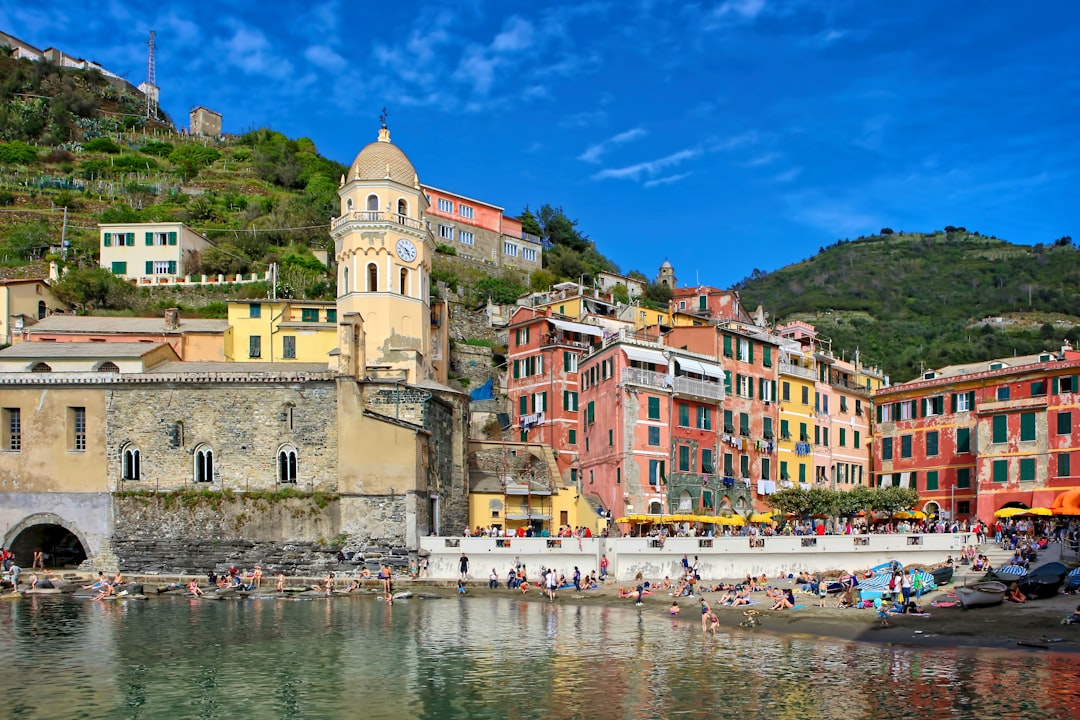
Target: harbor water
481, 657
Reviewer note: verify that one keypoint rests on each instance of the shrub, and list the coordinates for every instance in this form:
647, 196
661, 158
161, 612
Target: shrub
130, 162
101, 144
59, 155
6, 198
158, 148
446, 249
17, 152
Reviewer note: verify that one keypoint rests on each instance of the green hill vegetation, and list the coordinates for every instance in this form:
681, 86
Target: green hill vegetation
909, 301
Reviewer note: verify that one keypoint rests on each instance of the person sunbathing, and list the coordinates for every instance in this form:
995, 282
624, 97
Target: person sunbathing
106, 591
786, 601
194, 589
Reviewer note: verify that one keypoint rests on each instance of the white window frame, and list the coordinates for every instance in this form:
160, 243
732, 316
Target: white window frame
466, 238
465, 211
446, 205
510, 249
161, 238
962, 402
745, 383
446, 232
161, 267
744, 350
528, 254
907, 410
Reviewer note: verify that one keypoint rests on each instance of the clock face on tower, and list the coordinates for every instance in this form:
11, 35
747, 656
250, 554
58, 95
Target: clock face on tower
406, 250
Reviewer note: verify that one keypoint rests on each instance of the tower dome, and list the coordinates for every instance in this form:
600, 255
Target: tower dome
382, 160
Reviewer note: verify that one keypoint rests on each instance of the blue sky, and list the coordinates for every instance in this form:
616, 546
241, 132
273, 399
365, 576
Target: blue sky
725, 136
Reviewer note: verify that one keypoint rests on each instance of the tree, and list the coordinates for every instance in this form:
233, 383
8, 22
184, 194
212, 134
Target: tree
620, 294
96, 287
658, 293
28, 240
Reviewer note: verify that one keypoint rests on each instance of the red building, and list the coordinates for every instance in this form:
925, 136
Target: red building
973, 438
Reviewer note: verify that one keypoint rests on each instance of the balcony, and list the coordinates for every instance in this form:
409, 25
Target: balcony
787, 368
698, 388
374, 217
648, 378
560, 339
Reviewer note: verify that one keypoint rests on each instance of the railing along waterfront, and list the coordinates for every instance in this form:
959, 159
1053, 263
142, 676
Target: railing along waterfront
719, 557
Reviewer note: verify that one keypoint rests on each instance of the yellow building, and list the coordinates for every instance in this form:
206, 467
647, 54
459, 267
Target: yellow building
796, 398
383, 249
282, 331
149, 252
22, 303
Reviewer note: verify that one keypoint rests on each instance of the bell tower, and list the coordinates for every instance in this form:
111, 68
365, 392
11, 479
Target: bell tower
383, 250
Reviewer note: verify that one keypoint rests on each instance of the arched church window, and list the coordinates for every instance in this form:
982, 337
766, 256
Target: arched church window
402, 210
404, 281
345, 280
204, 464
372, 278
373, 203
131, 463
287, 472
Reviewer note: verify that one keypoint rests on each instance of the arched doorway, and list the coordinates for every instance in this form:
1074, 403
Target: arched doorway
932, 509
61, 546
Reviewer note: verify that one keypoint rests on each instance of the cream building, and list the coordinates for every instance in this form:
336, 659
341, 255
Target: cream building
149, 252
282, 331
24, 302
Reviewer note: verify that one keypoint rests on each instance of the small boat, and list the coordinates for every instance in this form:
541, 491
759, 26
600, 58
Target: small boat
1040, 587
942, 575
981, 594
406, 595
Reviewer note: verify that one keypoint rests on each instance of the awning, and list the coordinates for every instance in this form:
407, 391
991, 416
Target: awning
690, 365
642, 355
577, 327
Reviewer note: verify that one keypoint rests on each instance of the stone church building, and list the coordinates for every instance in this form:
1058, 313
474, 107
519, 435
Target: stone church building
365, 452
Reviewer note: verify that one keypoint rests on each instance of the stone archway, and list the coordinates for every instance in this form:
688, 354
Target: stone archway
932, 509
63, 543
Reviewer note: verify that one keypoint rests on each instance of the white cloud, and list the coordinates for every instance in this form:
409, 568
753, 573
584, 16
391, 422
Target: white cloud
516, 35
325, 58
649, 167
666, 180
249, 50
593, 153
763, 159
788, 175
738, 9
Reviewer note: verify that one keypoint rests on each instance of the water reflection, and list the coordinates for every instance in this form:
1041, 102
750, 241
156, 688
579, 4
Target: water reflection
483, 658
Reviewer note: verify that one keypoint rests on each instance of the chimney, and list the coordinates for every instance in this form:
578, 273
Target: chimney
172, 319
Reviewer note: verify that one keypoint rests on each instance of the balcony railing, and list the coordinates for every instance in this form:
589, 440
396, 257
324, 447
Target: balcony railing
648, 378
375, 216
699, 388
787, 368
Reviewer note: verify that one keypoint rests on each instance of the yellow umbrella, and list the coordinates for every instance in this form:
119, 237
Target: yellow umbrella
1009, 512
761, 517
902, 515
730, 520
1039, 511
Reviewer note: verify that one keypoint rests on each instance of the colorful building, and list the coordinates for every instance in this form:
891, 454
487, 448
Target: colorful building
23, 303
193, 339
974, 438
481, 231
150, 252
282, 330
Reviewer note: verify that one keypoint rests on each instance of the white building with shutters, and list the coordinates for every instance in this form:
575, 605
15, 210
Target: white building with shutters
150, 253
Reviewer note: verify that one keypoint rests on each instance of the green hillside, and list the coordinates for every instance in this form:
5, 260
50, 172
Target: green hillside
914, 301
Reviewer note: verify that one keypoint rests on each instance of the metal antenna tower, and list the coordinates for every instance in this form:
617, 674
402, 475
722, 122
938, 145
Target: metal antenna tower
150, 88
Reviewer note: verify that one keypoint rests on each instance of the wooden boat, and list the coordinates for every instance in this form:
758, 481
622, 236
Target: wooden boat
942, 575
981, 594
1039, 587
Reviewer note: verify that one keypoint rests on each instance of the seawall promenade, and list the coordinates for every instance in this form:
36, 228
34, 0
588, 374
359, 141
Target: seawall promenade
718, 557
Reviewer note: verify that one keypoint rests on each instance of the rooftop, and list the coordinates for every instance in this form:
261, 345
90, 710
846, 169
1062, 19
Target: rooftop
91, 324
79, 350
236, 368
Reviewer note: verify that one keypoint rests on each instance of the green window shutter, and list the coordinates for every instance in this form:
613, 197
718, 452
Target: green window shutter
149, 267
886, 448
750, 388
855, 442
1064, 423
120, 268
131, 239
571, 437
1000, 471
971, 401
1001, 429
108, 239
879, 413
654, 408
785, 433
766, 356
843, 438
149, 238
1027, 426
703, 303
523, 405
566, 361
517, 369
727, 382
963, 440
925, 404
802, 473
963, 478
172, 238
1054, 386
544, 402
172, 267
566, 399
773, 386
684, 415
952, 402
750, 346
1063, 465
727, 346
932, 480
591, 412
1027, 469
